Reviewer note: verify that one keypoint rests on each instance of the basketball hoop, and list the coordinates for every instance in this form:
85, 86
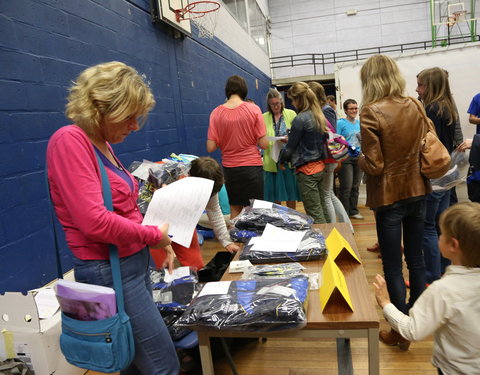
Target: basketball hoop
203, 14
460, 16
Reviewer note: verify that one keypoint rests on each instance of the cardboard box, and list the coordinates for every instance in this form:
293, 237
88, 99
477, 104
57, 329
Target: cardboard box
33, 340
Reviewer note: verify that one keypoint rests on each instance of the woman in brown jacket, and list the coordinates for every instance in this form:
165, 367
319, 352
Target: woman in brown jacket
392, 129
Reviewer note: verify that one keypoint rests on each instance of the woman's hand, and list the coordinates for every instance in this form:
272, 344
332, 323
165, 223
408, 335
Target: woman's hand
165, 241
466, 144
168, 262
284, 139
381, 293
232, 248
281, 166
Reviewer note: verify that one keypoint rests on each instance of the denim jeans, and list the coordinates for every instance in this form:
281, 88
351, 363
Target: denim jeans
333, 206
390, 221
350, 177
154, 350
311, 189
437, 202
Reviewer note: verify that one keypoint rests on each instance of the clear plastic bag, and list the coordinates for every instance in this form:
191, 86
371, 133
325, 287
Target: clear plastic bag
173, 296
311, 247
273, 271
158, 175
456, 174
251, 305
252, 221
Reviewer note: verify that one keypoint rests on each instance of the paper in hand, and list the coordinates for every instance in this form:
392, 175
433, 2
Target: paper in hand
179, 204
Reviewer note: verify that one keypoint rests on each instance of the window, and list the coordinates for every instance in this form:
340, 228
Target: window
255, 24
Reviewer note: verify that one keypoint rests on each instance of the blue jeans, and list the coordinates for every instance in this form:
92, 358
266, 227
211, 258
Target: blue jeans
333, 206
350, 177
437, 202
154, 350
391, 220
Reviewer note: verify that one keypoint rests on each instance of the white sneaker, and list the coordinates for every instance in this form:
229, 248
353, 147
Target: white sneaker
357, 216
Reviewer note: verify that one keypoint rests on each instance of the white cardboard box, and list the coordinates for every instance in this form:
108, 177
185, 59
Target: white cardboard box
33, 340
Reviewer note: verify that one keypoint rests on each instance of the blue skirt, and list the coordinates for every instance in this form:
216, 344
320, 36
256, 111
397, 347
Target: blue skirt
281, 186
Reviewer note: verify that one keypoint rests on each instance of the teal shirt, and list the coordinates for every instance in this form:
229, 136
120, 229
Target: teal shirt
349, 131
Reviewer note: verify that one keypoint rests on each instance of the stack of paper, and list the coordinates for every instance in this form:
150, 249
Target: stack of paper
85, 301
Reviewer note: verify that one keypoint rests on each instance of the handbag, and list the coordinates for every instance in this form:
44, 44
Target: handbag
337, 147
434, 156
105, 345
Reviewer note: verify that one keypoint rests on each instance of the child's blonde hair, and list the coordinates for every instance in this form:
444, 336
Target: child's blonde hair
462, 222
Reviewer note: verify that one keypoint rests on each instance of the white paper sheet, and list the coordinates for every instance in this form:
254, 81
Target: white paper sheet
278, 240
47, 303
258, 203
215, 287
276, 147
177, 273
180, 204
274, 139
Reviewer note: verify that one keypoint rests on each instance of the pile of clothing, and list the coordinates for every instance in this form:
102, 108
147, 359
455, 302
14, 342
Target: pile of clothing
249, 305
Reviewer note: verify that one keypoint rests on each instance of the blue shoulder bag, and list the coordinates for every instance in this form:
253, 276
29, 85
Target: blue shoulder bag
100, 345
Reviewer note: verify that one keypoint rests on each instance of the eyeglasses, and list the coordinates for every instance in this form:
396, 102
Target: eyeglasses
275, 104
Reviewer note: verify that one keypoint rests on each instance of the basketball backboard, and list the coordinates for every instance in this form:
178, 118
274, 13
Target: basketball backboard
165, 12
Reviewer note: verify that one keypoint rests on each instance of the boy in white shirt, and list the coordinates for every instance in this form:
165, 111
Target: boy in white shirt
450, 307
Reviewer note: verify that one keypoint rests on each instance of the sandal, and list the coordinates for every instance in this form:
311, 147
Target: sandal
187, 362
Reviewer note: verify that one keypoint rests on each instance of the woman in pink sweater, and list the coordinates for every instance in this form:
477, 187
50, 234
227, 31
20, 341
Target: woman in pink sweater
106, 103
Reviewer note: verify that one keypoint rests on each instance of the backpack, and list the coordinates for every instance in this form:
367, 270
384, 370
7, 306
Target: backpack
14, 366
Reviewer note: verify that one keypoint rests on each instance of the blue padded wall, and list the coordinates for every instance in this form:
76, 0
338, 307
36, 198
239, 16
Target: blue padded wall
44, 45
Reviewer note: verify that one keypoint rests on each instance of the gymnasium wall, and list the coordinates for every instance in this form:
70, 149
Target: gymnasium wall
457, 60
311, 26
44, 45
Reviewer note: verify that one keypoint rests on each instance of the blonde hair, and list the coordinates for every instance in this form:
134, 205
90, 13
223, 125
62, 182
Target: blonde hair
319, 91
273, 94
306, 100
110, 91
462, 222
437, 90
381, 78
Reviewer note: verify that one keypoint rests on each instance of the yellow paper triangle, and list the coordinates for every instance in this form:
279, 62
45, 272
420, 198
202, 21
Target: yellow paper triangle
338, 247
333, 280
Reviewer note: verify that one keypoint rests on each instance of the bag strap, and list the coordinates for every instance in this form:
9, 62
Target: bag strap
430, 126
114, 260
55, 237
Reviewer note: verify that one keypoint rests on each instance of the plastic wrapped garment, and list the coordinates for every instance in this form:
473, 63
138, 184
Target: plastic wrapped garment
153, 176
456, 174
249, 305
172, 296
273, 271
252, 221
311, 247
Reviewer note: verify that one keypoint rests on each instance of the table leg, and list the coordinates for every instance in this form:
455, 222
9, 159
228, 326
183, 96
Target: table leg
373, 352
205, 353
344, 357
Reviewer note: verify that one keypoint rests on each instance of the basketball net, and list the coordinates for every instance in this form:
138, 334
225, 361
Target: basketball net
205, 24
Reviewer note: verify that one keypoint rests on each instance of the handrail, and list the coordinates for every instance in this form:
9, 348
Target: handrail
323, 59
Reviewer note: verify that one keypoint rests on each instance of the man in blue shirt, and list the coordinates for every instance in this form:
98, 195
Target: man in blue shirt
350, 174
474, 111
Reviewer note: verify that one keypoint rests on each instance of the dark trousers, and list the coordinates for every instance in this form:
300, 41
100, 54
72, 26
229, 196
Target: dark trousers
391, 222
350, 177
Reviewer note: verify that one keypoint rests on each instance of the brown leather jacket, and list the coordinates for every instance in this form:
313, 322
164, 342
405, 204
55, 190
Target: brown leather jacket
392, 130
